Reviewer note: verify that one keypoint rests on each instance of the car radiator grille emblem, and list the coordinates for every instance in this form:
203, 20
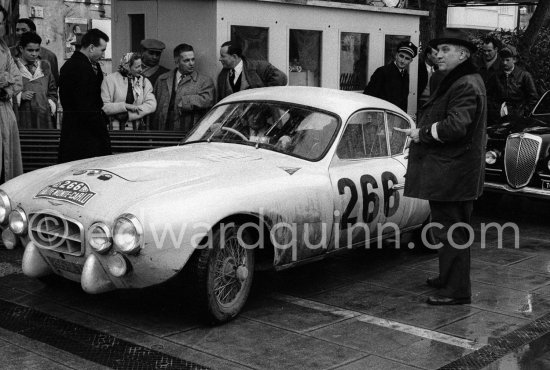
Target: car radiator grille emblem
520, 162
56, 233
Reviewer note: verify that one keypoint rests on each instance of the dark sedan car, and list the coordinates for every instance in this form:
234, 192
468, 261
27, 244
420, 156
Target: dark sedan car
518, 154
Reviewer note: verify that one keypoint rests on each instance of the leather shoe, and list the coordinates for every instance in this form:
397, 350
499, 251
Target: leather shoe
445, 301
433, 282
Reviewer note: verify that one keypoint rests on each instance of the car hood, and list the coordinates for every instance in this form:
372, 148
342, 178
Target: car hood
531, 125
121, 179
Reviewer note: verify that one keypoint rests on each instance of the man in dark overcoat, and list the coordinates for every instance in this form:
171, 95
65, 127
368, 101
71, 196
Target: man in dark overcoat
84, 131
447, 161
239, 73
391, 82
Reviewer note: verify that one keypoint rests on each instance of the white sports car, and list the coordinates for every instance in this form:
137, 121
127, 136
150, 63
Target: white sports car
270, 178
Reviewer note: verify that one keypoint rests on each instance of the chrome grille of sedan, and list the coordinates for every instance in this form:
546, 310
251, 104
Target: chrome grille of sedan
522, 155
56, 233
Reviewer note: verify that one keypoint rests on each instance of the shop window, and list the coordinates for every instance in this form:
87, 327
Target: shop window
305, 58
365, 137
353, 60
253, 40
390, 47
137, 30
398, 139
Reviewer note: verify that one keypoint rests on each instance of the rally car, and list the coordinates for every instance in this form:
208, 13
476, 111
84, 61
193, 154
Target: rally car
269, 179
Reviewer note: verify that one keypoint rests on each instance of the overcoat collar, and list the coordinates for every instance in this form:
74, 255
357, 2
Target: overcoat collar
463, 69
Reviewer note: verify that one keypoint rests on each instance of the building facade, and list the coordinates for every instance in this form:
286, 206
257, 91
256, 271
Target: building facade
317, 43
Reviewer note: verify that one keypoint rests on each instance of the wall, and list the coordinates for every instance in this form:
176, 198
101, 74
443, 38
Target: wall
281, 17
52, 26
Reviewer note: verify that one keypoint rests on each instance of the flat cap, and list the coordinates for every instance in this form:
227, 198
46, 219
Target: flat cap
407, 47
508, 51
153, 44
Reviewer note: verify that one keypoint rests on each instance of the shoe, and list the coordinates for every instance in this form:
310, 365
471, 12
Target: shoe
446, 301
433, 282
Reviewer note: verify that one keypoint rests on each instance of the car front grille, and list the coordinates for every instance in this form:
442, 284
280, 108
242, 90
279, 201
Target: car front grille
522, 155
56, 233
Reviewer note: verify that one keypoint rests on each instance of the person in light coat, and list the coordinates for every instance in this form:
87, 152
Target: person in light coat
127, 96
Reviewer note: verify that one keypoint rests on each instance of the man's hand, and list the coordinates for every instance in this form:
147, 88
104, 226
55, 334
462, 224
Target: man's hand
27, 95
413, 133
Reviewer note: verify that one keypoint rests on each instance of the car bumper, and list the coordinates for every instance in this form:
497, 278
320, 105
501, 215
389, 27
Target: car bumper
525, 191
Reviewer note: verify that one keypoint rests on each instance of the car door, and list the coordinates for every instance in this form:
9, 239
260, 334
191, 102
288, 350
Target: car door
364, 178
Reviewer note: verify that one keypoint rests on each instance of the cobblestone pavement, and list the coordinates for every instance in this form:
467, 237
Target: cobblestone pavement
364, 309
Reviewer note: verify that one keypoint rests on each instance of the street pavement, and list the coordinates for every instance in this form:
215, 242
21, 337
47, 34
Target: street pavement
363, 309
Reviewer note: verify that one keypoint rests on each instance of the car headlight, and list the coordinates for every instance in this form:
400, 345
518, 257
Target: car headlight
18, 221
128, 234
100, 237
491, 156
5, 207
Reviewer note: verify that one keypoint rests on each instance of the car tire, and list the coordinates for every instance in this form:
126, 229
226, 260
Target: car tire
223, 276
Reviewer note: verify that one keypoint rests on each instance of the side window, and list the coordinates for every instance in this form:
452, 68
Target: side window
397, 139
543, 108
364, 137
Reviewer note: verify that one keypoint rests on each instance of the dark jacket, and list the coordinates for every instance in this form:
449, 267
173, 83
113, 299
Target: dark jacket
387, 83
487, 73
256, 73
517, 90
84, 129
451, 170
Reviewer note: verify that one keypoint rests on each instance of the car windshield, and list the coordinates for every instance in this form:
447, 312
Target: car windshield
282, 127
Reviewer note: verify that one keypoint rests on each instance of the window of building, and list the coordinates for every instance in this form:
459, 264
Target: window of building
390, 47
364, 137
253, 40
137, 30
353, 60
397, 139
305, 58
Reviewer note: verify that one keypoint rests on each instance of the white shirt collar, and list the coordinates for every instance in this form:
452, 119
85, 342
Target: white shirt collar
238, 70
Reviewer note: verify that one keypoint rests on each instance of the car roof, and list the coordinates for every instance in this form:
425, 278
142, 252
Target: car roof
340, 102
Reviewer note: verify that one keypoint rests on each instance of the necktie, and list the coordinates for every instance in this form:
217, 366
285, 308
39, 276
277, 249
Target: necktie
232, 75
32, 68
94, 67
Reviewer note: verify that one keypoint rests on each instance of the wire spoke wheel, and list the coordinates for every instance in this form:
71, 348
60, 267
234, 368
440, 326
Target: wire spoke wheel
224, 275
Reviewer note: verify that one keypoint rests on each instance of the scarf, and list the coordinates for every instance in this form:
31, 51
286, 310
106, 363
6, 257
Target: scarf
137, 83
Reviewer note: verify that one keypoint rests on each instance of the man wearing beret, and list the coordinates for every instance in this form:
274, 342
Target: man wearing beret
447, 162
513, 89
151, 50
391, 82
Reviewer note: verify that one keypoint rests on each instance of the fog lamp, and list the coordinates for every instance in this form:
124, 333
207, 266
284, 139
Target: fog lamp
100, 238
5, 207
18, 221
127, 234
9, 239
491, 157
117, 265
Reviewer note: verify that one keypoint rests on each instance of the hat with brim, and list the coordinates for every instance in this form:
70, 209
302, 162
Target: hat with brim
454, 36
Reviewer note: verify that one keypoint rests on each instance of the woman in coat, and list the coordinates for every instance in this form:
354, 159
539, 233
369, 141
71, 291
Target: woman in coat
127, 96
10, 85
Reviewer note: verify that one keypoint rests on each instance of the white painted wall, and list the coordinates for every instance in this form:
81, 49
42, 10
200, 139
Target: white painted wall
281, 17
